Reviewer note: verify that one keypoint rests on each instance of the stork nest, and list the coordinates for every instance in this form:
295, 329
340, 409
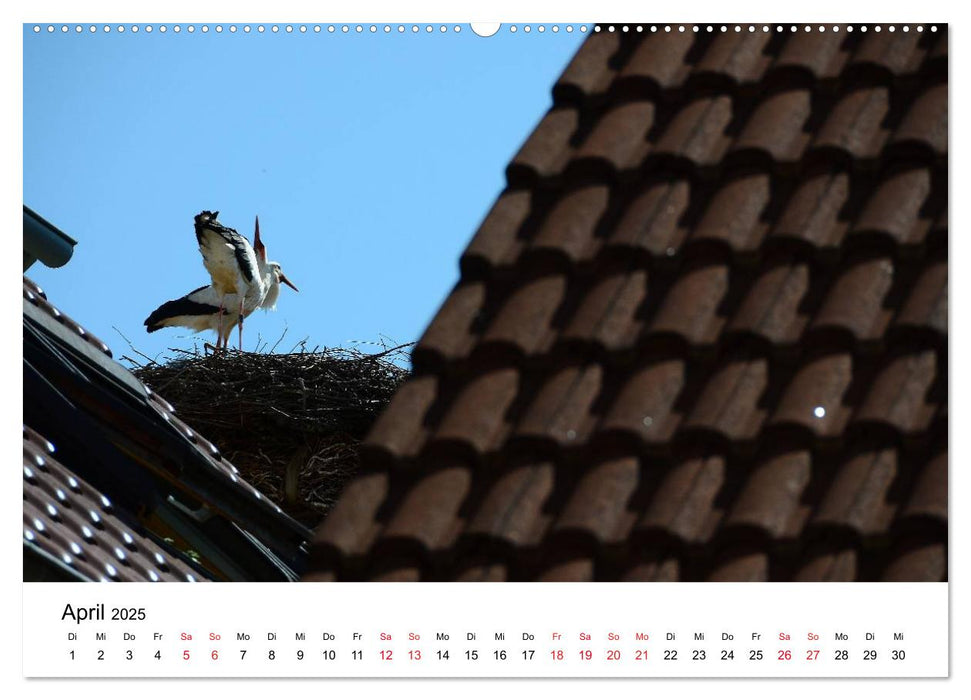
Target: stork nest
266, 412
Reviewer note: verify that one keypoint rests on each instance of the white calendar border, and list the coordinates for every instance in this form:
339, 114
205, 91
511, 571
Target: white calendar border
508, 10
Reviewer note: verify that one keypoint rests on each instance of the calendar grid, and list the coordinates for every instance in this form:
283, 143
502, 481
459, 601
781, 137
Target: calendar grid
481, 630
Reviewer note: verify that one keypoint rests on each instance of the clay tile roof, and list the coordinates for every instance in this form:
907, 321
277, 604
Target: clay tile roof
659, 61
590, 71
814, 212
926, 306
569, 228
898, 207
701, 335
512, 509
500, 236
652, 221
856, 126
924, 127
739, 57
777, 126
608, 313
619, 140
896, 53
129, 462
819, 56
72, 522
547, 150
597, 508
773, 308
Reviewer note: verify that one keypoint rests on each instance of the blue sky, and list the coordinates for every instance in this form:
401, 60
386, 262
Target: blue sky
370, 159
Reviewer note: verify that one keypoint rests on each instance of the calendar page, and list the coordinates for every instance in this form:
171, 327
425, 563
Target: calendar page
585, 349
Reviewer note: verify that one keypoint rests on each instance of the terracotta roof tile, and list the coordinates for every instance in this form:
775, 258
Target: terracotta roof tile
928, 498
858, 497
598, 506
814, 212
651, 221
560, 411
590, 71
900, 395
646, 405
740, 57
476, 419
892, 52
547, 149
814, 397
684, 505
524, 322
772, 498
429, 512
702, 335
659, 61
483, 572
498, 240
352, 525
451, 334
856, 300
404, 573
825, 565
659, 569
896, 207
573, 570
608, 312
571, 224
773, 308
777, 127
691, 309
619, 140
400, 431
734, 216
742, 566
856, 126
924, 126
698, 132
512, 510
926, 306
731, 403
821, 55
918, 562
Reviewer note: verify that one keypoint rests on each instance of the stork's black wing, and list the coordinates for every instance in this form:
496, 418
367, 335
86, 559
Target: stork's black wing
215, 243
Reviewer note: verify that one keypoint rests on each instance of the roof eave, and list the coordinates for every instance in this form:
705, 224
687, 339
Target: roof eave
45, 242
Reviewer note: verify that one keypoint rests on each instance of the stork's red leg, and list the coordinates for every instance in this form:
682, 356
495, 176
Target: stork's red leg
219, 331
241, 323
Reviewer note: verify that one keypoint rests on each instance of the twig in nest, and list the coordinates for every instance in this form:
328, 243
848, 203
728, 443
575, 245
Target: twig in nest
134, 350
285, 329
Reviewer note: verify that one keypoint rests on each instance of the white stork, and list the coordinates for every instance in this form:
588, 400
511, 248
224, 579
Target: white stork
207, 308
233, 265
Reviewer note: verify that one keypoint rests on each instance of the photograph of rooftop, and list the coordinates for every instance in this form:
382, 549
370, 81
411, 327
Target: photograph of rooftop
699, 330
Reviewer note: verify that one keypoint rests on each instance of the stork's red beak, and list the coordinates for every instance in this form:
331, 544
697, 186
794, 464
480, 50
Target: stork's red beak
257, 243
283, 278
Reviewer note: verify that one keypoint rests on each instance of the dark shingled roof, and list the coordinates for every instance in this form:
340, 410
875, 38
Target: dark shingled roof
74, 524
701, 335
117, 487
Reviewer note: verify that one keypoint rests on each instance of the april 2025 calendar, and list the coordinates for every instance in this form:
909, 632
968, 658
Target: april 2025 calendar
485, 630
583, 350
